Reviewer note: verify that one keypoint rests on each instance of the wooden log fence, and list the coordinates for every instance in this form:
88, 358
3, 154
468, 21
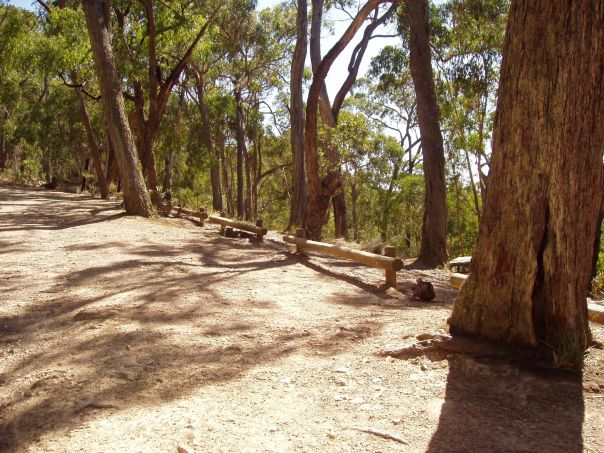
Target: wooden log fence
257, 229
387, 261
595, 311
200, 215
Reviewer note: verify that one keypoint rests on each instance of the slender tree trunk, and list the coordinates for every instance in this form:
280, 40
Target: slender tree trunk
206, 137
473, 186
296, 113
320, 190
228, 190
433, 250
84, 181
3, 152
533, 260
386, 207
93, 143
354, 195
98, 21
241, 151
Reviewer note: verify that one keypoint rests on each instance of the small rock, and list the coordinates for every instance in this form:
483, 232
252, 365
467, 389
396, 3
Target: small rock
396, 421
341, 370
286, 380
424, 367
181, 449
341, 381
331, 435
358, 400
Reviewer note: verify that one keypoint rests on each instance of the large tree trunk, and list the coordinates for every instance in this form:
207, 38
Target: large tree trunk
533, 260
98, 21
433, 250
296, 114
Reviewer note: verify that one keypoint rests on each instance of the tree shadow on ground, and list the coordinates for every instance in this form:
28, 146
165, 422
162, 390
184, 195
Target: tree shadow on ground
491, 406
53, 210
155, 331
498, 399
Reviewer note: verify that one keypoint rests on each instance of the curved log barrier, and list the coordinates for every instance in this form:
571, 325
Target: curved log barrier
388, 262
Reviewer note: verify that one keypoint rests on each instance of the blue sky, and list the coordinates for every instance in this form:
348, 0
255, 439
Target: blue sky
338, 72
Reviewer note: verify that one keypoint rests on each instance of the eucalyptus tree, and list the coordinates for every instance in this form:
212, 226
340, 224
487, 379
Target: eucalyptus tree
98, 23
534, 256
23, 87
156, 41
259, 46
467, 42
321, 189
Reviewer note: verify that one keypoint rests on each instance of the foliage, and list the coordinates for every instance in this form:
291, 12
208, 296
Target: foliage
43, 55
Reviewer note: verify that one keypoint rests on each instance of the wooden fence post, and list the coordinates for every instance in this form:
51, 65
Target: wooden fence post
259, 223
390, 251
222, 214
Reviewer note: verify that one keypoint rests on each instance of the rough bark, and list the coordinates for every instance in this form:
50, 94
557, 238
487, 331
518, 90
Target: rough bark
533, 260
296, 114
433, 249
98, 21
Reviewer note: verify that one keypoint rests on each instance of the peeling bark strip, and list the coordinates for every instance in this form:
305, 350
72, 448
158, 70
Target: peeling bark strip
533, 261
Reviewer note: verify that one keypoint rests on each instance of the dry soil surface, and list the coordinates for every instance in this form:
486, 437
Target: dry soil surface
127, 334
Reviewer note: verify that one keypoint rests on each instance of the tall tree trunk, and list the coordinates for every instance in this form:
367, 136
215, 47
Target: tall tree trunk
433, 249
354, 195
228, 190
241, 151
386, 207
320, 190
98, 21
3, 152
84, 180
93, 143
533, 260
296, 114
206, 137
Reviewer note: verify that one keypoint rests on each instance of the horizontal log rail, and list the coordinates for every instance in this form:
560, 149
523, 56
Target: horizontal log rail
596, 312
200, 215
388, 262
257, 229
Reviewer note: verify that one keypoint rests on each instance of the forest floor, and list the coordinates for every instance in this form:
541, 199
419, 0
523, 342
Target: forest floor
156, 335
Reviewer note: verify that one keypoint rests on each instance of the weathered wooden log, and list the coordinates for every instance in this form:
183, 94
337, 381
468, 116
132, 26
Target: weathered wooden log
390, 273
457, 280
595, 311
369, 259
183, 212
224, 222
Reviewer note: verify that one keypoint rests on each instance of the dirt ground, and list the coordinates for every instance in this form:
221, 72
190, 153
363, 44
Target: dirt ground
125, 334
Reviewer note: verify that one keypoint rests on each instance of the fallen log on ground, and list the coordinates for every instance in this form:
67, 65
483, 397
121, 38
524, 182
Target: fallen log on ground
388, 262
